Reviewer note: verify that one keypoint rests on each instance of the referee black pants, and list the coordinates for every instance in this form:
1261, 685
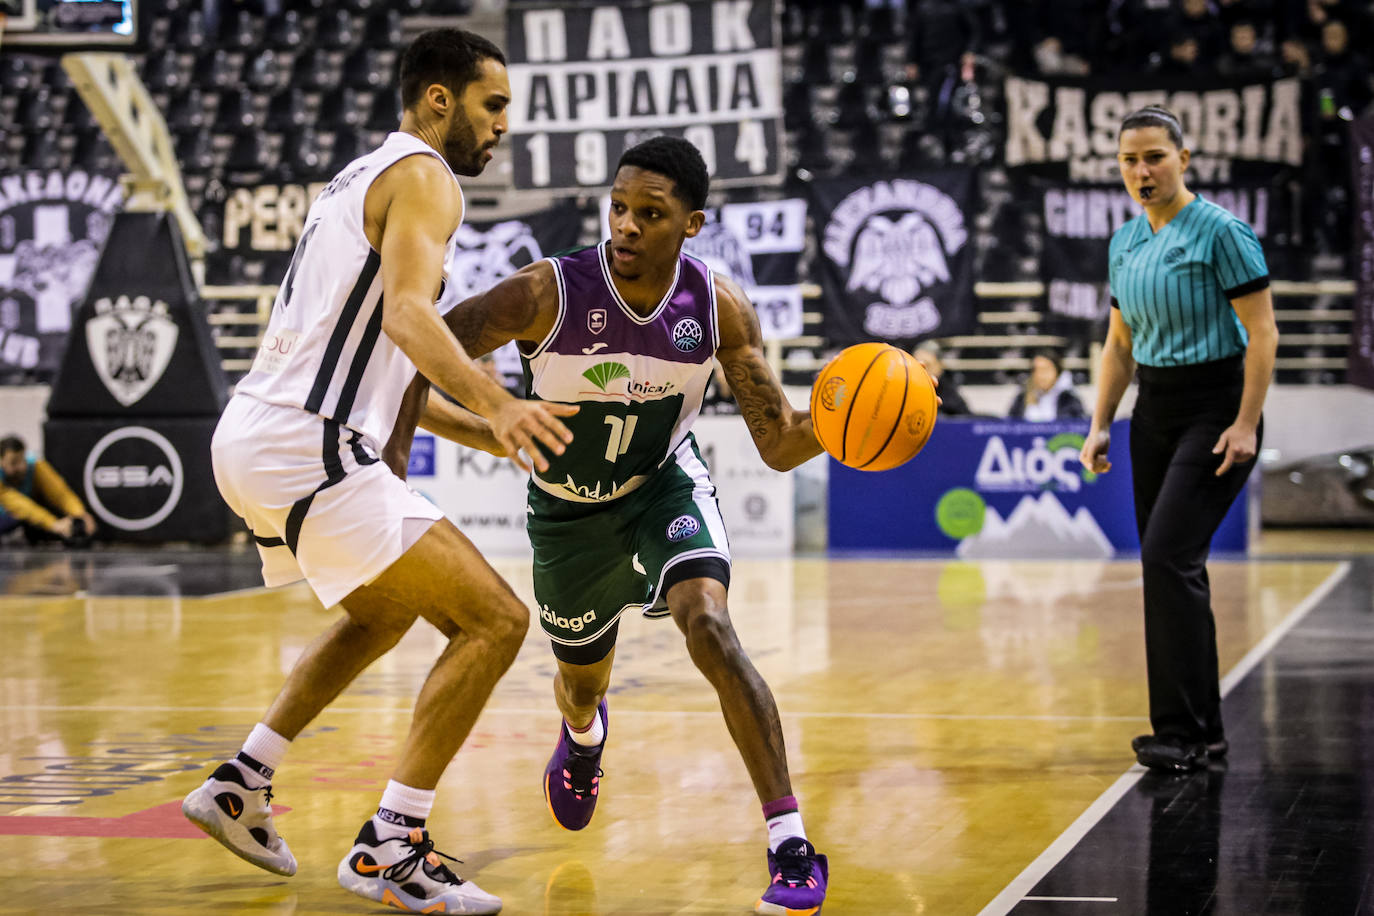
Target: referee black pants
1179, 503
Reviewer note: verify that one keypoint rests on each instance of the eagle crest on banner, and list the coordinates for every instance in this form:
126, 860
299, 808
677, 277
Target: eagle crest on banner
895, 239
130, 342
898, 258
723, 252
485, 258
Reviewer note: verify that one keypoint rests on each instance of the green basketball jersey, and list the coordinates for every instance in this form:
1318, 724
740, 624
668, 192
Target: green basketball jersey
638, 379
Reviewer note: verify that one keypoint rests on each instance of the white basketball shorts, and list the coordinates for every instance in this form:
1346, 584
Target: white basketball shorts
321, 504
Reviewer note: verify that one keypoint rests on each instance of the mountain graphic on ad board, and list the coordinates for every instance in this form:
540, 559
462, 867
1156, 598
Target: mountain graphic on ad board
1038, 527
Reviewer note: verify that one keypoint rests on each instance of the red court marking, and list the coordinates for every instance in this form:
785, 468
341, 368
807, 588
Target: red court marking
161, 822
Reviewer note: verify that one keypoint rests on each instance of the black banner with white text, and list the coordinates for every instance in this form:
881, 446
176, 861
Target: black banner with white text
895, 256
1237, 129
590, 80
53, 226
1078, 225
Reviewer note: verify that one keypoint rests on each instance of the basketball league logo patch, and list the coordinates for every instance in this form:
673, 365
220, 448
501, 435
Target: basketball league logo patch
687, 335
833, 393
682, 527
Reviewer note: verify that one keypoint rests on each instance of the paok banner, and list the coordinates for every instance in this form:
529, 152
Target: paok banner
1237, 129
1078, 225
1360, 369
591, 80
53, 226
895, 256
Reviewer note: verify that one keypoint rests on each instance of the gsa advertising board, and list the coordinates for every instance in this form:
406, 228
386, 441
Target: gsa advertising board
984, 489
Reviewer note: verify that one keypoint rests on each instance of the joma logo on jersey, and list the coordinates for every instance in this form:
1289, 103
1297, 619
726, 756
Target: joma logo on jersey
576, 624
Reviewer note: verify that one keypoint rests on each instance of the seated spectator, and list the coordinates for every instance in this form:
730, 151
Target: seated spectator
34, 497
952, 404
1049, 392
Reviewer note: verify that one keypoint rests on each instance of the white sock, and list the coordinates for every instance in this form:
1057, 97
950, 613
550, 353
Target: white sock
411, 804
268, 749
784, 826
594, 734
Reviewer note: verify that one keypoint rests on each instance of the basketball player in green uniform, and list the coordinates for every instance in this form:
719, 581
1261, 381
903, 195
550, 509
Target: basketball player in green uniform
626, 519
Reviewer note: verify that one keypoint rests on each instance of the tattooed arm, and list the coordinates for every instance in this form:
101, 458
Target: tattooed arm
781, 433
523, 307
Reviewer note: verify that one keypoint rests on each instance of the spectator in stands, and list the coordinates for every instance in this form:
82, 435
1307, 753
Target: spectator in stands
1048, 394
1198, 20
1245, 56
945, 36
1342, 76
1066, 35
35, 498
1183, 57
952, 403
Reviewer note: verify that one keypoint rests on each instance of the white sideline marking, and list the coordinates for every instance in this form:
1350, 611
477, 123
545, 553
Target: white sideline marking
1016, 891
1073, 899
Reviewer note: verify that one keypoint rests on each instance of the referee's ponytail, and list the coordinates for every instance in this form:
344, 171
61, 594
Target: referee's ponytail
1154, 116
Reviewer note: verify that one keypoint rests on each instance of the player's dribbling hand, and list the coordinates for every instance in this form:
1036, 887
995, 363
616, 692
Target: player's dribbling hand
1237, 444
1094, 453
532, 427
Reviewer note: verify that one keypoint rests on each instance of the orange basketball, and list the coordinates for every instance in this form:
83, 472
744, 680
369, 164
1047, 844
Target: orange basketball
873, 407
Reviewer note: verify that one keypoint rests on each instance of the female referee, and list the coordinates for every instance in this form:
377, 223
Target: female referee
1193, 317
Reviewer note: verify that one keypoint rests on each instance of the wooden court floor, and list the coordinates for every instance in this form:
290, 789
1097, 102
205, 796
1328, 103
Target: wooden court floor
945, 722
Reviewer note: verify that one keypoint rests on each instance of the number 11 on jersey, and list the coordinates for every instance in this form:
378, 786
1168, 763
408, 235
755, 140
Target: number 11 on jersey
621, 432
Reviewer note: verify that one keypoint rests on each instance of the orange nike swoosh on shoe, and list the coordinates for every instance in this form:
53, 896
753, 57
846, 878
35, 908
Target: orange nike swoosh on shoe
363, 868
233, 811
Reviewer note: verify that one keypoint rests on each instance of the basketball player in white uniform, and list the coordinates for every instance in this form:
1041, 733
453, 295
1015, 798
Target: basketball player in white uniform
297, 451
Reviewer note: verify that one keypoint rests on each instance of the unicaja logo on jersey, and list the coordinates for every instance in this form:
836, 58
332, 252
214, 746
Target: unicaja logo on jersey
683, 527
687, 335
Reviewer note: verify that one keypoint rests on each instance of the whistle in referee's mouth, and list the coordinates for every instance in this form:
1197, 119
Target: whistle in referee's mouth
1145, 193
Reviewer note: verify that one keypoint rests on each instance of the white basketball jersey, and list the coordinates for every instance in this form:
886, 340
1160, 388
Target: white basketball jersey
323, 350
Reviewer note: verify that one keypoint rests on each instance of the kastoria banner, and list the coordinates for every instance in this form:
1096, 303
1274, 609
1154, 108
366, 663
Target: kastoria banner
591, 80
1236, 129
895, 256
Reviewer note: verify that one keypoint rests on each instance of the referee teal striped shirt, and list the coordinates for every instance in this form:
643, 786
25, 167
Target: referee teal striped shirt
1174, 286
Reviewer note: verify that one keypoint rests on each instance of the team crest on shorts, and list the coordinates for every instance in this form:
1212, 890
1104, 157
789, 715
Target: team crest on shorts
687, 335
682, 527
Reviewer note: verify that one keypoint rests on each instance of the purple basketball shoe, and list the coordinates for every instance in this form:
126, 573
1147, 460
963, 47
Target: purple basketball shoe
573, 777
799, 879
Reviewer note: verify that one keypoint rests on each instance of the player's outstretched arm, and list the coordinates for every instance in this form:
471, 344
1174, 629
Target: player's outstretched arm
411, 211
453, 421
522, 307
782, 434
